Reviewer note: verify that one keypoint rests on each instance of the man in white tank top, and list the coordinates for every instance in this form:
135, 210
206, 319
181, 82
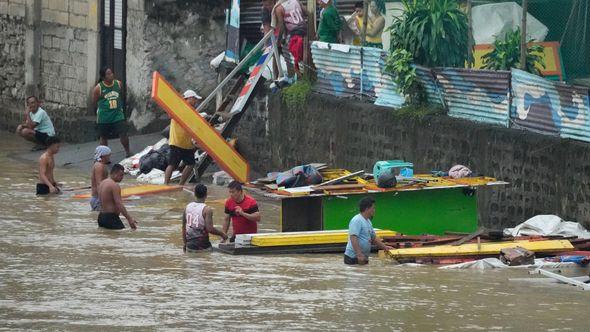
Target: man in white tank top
290, 15
197, 222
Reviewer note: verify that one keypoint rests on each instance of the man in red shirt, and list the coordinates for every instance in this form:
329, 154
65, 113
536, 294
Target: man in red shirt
242, 210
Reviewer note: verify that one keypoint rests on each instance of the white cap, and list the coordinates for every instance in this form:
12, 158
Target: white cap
191, 93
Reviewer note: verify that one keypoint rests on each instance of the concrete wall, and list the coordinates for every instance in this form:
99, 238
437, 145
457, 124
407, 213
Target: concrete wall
547, 175
12, 61
55, 42
178, 38
51, 48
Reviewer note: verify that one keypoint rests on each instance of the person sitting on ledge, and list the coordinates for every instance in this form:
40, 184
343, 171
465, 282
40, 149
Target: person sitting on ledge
37, 126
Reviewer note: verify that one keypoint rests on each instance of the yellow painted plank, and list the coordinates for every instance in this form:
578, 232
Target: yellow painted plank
488, 248
286, 239
144, 189
199, 129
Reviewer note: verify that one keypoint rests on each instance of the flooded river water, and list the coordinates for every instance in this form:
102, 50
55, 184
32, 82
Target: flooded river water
58, 271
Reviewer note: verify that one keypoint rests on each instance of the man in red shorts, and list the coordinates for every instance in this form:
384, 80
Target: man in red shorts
242, 210
290, 15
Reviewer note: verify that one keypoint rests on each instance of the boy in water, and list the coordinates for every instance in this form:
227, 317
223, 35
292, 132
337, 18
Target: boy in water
197, 222
102, 157
47, 183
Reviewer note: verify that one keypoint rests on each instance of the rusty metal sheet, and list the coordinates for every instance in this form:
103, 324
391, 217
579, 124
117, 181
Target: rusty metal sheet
339, 69
427, 78
549, 107
477, 95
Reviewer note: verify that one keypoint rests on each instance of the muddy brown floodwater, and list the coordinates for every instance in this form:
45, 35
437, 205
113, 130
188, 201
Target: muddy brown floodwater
58, 271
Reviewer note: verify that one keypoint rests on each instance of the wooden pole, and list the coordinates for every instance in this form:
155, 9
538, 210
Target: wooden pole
523, 48
311, 32
469, 35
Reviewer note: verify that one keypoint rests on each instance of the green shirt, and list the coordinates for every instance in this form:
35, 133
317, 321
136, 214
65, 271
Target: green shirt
330, 25
110, 107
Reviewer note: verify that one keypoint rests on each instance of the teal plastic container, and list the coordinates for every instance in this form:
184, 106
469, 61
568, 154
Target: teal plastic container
397, 165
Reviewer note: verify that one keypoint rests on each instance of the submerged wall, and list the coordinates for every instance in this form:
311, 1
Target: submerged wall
547, 175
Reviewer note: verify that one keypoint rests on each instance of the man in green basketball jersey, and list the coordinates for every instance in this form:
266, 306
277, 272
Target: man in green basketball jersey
107, 96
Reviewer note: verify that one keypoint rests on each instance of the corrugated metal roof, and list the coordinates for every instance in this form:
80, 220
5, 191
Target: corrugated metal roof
377, 84
339, 73
428, 80
478, 95
549, 107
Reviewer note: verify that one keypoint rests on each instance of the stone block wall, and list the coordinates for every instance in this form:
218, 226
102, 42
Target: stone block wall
64, 67
177, 38
48, 41
12, 62
547, 175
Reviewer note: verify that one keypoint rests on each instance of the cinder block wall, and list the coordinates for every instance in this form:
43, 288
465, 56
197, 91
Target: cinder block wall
547, 175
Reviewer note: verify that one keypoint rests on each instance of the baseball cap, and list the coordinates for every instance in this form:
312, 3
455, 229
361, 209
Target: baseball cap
191, 93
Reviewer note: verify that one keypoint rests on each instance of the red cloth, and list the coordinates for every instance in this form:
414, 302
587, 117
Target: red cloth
240, 224
296, 49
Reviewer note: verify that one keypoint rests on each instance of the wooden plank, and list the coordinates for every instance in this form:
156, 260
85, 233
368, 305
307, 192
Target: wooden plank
226, 157
469, 237
341, 178
490, 248
144, 189
306, 238
567, 280
339, 186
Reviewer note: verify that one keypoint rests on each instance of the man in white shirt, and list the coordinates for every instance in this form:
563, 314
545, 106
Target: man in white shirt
37, 126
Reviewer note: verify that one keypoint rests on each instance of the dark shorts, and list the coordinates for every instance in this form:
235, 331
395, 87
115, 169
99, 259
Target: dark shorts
350, 261
42, 189
110, 221
198, 244
177, 154
41, 138
112, 130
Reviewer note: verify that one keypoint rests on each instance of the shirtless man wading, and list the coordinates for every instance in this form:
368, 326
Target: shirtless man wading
112, 206
102, 157
47, 184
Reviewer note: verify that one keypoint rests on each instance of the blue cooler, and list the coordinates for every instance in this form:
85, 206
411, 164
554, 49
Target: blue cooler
400, 167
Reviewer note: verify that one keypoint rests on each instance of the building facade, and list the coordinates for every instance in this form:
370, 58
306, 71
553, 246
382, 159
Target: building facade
55, 48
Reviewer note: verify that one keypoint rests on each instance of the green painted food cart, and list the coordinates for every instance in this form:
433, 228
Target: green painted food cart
426, 210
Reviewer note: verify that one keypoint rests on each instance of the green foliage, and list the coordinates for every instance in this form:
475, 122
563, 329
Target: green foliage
417, 113
433, 31
506, 54
295, 96
399, 63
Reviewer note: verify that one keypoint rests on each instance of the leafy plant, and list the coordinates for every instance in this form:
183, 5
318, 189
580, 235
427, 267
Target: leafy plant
399, 63
433, 31
295, 96
506, 54
418, 113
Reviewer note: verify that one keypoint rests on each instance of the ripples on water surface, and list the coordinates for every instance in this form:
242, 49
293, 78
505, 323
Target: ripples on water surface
59, 271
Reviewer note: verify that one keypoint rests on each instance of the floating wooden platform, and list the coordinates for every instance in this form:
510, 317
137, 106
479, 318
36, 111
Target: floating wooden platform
233, 249
301, 238
140, 190
471, 249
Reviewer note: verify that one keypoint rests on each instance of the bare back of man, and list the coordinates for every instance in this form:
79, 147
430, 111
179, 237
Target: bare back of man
99, 173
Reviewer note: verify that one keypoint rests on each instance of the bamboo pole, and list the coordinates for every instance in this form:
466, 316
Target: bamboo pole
469, 35
523, 48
